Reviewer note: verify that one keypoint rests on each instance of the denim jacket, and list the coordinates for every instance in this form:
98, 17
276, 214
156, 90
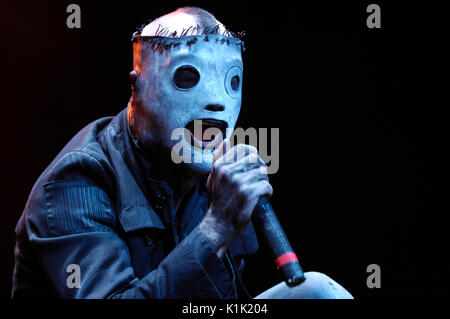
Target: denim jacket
96, 213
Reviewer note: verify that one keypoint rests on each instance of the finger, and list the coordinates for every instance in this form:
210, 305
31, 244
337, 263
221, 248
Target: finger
251, 158
261, 188
218, 152
238, 152
209, 181
221, 150
217, 156
249, 163
250, 177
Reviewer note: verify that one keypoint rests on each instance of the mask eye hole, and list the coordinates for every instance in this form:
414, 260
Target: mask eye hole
186, 77
235, 82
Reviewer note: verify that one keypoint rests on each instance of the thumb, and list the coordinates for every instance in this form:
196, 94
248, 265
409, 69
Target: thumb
221, 150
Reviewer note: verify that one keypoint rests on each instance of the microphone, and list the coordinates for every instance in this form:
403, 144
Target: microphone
268, 227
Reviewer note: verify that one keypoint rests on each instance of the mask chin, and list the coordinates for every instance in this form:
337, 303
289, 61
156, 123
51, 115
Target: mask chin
196, 159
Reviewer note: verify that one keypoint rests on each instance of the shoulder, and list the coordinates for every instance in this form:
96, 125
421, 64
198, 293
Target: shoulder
74, 192
83, 154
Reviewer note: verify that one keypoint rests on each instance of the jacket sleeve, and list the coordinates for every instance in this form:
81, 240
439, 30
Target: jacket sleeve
84, 256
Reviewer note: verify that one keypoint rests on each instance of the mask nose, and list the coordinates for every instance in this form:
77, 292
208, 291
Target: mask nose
215, 107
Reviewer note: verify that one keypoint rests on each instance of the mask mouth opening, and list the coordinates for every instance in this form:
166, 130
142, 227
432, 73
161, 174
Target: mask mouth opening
205, 133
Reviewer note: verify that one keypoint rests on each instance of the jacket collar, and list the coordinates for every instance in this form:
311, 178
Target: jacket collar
138, 193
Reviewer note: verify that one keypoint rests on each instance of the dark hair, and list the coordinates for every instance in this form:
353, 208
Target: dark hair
206, 24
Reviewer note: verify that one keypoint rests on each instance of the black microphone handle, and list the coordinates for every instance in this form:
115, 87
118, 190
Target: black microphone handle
269, 230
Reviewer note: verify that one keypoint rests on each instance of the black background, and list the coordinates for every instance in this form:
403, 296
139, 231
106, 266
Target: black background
360, 137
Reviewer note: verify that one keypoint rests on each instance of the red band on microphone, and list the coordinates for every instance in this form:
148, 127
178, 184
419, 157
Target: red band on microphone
285, 259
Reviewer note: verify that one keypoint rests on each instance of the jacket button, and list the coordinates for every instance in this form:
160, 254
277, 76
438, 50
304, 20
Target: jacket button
147, 240
160, 201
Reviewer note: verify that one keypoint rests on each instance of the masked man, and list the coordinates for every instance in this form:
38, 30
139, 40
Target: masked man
115, 215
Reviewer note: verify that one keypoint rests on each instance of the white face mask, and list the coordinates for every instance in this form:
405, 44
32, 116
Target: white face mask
185, 79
